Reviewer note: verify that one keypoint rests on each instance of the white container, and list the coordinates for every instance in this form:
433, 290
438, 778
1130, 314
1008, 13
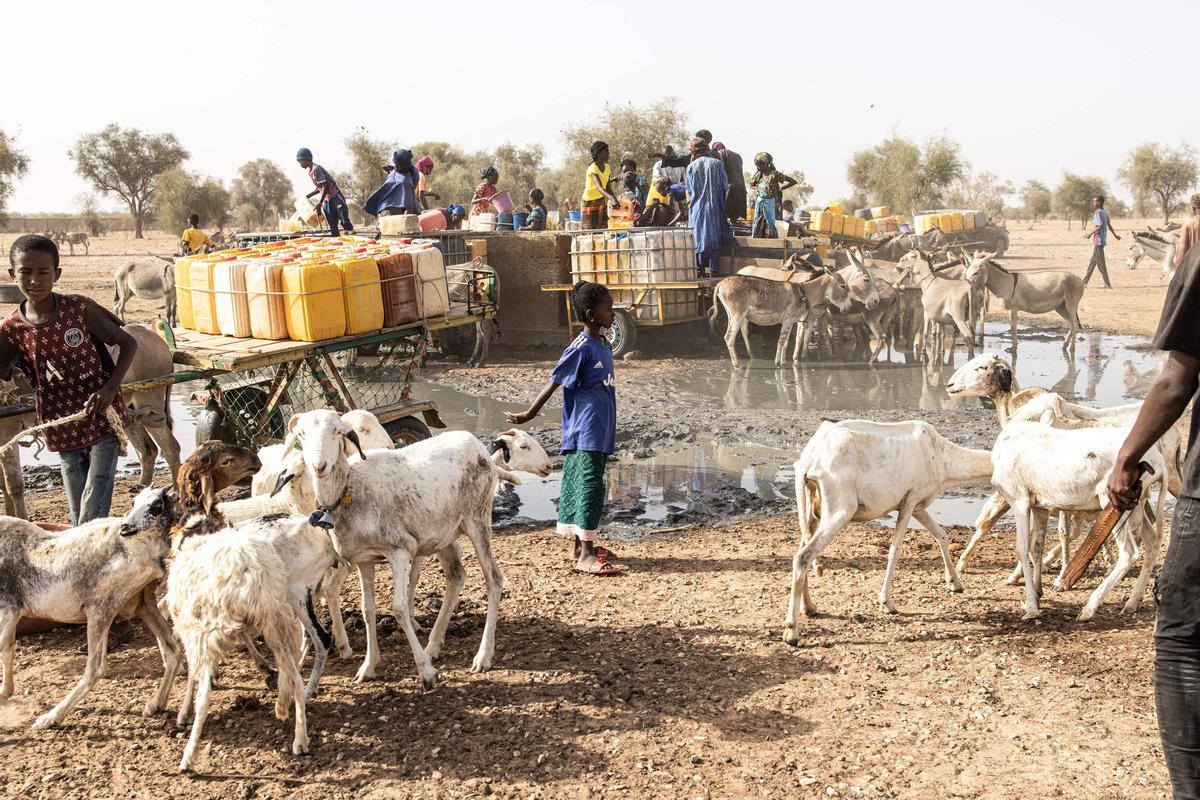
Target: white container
233, 309
430, 269
400, 223
483, 222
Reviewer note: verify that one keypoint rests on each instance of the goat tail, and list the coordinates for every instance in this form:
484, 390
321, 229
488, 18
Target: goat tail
713, 313
808, 502
507, 477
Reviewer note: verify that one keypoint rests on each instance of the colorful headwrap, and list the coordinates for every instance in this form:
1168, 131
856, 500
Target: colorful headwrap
718, 147
457, 210
698, 147
764, 160
424, 164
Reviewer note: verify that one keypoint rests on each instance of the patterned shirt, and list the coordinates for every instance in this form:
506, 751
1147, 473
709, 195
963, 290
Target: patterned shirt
484, 190
66, 366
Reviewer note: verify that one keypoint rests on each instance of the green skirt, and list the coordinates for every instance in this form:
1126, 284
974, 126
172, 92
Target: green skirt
581, 500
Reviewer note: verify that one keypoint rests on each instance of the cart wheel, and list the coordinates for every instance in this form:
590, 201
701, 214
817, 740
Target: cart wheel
623, 333
246, 403
458, 341
407, 430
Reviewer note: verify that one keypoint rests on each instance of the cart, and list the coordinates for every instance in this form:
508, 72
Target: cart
643, 304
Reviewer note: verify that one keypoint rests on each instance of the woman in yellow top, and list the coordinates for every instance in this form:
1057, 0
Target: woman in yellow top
596, 195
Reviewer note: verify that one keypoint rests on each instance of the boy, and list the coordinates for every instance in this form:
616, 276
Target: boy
537, 211
193, 238
58, 341
333, 204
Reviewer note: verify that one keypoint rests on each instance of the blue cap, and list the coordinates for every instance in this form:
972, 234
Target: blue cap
457, 210
303, 153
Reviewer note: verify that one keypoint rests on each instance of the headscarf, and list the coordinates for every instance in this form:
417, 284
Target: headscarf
304, 154
718, 147
424, 164
764, 161
487, 172
598, 147
698, 147
403, 160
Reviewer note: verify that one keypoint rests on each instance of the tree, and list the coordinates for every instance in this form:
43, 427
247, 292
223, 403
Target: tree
181, 194
801, 192
1036, 198
13, 166
1152, 170
89, 216
983, 191
368, 157
127, 163
898, 173
260, 193
1073, 196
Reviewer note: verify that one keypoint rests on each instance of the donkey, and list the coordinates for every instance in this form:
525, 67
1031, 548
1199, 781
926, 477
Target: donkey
1037, 293
148, 281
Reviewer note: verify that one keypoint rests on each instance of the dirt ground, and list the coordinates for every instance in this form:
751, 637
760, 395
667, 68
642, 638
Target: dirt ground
670, 681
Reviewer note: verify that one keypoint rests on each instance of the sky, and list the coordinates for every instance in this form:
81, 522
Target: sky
1029, 89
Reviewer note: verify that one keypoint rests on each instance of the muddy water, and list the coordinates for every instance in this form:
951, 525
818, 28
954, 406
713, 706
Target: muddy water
691, 477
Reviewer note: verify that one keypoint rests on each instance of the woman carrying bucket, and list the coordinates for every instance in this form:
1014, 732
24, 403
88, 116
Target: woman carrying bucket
596, 196
481, 203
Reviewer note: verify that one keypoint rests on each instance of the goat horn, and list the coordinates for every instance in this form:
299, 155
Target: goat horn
281, 482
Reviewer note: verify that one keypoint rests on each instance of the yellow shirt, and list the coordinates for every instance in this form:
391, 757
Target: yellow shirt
653, 195
195, 239
590, 192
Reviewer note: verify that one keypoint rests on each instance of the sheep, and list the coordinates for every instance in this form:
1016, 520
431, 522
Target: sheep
1038, 467
94, 573
855, 471
222, 588
989, 375
371, 435
402, 504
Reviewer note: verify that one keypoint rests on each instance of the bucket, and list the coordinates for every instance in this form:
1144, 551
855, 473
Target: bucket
518, 219
504, 222
576, 216
503, 202
433, 220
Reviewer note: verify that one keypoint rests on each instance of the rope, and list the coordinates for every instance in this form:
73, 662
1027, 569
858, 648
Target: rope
114, 419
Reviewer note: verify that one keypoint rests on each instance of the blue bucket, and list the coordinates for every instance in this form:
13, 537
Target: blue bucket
518, 219
576, 215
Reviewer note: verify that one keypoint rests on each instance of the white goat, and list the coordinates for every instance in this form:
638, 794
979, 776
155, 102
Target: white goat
94, 573
855, 471
226, 586
371, 436
1038, 467
399, 505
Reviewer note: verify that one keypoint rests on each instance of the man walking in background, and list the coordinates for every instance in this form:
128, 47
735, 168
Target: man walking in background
1101, 226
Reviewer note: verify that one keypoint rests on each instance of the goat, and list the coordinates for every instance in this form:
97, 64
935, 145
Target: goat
855, 471
371, 436
989, 375
1037, 467
94, 573
223, 588
402, 504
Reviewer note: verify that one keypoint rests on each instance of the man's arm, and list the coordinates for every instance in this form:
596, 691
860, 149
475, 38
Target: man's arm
107, 328
1108, 221
1185, 242
1168, 398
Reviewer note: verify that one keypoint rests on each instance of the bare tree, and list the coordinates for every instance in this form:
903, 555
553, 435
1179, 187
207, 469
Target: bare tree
13, 166
1165, 174
261, 192
127, 163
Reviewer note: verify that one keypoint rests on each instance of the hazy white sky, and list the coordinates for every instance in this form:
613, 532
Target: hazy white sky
1029, 89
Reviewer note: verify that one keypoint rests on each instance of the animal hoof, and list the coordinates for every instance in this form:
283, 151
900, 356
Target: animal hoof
346, 652
790, 637
1030, 615
481, 664
433, 650
430, 682
1057, 586
300, 748
365, 675
272, 681
47, 720
955, 587
1130, 608
150, 709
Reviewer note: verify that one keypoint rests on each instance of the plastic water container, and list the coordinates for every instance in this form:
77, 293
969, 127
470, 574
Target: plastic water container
432, 220
502, 201
313, 301
400, 223
956, 221
968, 218
834, 208
430, 269
183, 292
575, 216
837, 223
821, 221
871, 227
879, 212
399, 289
264, 298
519, 218
204, 301
483, 222
361, 295
233, 310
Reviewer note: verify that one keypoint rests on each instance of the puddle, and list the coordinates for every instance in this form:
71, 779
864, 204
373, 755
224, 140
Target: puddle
696, 479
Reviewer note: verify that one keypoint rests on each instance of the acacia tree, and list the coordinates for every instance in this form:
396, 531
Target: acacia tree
1073, 196
1036, 198
89, 214
983, 191
13, 166
1152, 170
181, 194
898, 173
368, 157
127, 163
260, 192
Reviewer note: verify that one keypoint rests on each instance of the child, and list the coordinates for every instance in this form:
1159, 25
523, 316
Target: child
194, 238
58, 341
333, 203
481, 201
537, 211
589, 426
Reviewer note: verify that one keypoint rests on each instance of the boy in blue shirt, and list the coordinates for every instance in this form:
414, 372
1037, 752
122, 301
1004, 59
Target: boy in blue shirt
589, 426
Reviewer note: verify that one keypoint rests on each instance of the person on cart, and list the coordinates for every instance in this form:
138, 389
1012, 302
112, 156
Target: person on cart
398, 194
332, 202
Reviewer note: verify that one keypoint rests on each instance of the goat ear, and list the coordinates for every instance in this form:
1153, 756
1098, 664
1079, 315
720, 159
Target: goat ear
1003, 377
282, 481
208, 494
292, 422
353, 437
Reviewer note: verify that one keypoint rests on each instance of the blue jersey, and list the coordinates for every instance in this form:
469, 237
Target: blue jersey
589, 415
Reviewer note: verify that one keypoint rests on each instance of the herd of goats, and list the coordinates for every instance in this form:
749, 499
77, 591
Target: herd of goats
208, 576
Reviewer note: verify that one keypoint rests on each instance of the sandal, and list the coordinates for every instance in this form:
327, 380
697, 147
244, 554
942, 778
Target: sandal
601, 568
601, 553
